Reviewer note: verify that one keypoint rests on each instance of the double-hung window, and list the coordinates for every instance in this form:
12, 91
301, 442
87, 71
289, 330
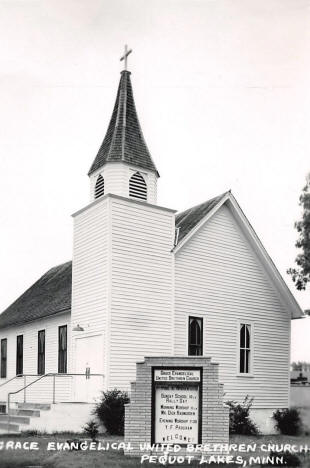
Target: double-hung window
19, 354
41, 352
4, 350
62, 349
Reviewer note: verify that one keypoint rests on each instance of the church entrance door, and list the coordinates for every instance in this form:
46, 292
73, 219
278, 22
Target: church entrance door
89, 360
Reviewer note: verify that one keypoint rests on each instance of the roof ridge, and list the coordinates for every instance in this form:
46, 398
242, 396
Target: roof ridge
203, 203
124, 120
189, 218
60, 265
110, 123
49, 294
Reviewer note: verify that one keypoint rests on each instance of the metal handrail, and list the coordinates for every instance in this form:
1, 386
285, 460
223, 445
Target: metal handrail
50, 374
18, 376
54, 375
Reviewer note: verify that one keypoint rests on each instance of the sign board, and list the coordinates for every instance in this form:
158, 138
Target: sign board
176, 405
177, 375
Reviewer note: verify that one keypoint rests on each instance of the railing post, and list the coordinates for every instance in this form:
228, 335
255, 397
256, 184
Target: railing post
54, 388
25, 398
24, 388
8, 413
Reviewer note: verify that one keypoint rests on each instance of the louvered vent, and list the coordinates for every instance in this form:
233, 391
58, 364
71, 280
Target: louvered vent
99, 187
137, 187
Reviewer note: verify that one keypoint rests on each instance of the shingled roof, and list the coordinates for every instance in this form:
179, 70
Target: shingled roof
124, 140
187, 220
50, 295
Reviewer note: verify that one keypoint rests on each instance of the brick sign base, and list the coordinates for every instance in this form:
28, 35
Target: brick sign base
175, 400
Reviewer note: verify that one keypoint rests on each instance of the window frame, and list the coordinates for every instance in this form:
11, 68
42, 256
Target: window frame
41, 356
20, 357
188, 334
4, 368
250, 373
62, 363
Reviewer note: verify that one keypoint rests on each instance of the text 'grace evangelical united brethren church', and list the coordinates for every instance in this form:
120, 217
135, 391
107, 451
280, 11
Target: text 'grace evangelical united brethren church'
146, 281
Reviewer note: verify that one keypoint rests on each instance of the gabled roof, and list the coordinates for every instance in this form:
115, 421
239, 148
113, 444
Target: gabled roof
124, 140
50, 295
191, 220
187, 220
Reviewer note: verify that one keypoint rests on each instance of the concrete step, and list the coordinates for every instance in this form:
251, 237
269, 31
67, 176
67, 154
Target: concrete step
25, 412
39, 406
15, 419
5, 432
11, 428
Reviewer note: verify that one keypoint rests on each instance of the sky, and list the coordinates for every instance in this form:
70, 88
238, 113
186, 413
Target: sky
222, 93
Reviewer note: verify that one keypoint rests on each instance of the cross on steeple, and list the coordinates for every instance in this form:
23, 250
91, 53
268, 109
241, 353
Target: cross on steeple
124, 57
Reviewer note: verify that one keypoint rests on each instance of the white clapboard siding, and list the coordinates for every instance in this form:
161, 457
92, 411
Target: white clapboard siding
219, 277
90, 273
42, 391
141, 286
116, 180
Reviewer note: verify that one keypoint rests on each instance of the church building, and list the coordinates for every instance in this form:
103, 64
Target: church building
145, 280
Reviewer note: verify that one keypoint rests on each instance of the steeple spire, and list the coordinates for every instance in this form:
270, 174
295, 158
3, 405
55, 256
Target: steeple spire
124, 140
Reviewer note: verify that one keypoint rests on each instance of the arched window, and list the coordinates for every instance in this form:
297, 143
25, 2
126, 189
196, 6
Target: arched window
245, 348
99, 187
137, 187
195, 336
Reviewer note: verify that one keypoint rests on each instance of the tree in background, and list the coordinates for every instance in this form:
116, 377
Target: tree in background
301, 274
300, 365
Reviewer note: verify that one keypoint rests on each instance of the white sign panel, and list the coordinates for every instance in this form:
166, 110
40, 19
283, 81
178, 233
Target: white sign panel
177, 414
177, 375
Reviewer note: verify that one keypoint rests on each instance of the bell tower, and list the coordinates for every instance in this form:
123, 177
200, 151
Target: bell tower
123, 165
122, 261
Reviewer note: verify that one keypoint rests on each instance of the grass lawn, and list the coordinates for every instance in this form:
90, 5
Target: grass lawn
113, 458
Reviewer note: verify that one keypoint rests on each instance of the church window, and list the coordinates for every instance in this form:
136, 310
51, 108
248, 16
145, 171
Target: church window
19, 354
4, 345
99, 187
245, 349
137, 187
62, 349
41, 352
195, 336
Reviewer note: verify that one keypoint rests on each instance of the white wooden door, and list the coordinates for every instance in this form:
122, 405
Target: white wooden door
89, 360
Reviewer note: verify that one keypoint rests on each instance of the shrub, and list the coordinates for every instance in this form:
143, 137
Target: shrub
239, 417
31, 433
91, 429
288, 421
111, 411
